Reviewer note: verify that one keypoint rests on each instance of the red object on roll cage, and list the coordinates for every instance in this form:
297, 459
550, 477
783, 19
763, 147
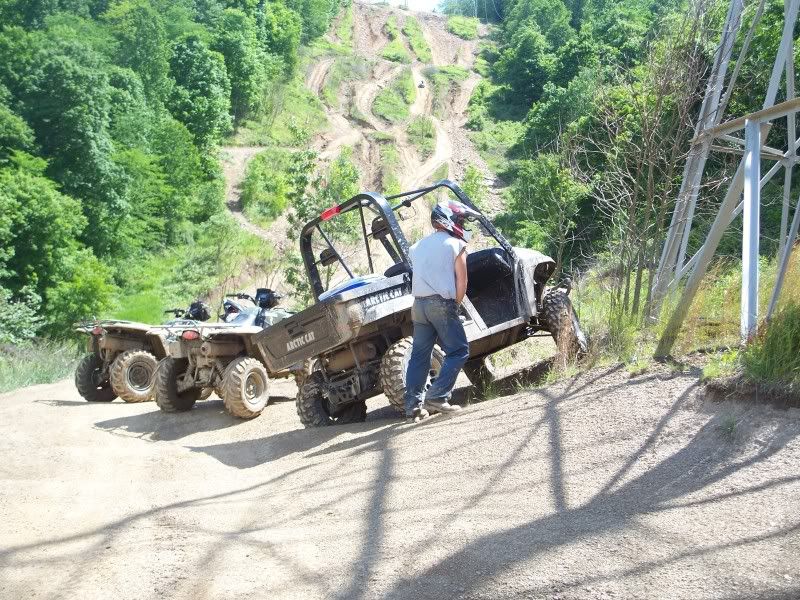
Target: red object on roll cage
330, 212
190, 334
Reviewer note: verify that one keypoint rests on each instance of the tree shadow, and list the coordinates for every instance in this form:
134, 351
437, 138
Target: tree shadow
702, 462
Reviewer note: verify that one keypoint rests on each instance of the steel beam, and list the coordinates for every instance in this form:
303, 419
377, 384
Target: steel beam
674, 246
752, 220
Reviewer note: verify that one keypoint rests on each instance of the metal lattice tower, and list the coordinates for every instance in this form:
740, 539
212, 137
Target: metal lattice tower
747, 182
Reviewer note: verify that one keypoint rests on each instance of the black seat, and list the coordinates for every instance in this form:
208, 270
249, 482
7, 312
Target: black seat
485, 268
396, 269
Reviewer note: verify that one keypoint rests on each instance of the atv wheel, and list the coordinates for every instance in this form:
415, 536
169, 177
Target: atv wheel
480, 372
245, 388
559, 318
393, 371
132, 375
90, 382
167, 396
314, 410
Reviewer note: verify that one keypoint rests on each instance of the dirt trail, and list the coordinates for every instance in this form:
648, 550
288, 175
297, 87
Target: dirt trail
604, 487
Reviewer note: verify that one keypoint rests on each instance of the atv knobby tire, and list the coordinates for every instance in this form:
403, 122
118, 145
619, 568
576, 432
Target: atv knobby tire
559, 318
314, 411
394, 366
89, 381
167, 396
245, 388
132, 375
480, 373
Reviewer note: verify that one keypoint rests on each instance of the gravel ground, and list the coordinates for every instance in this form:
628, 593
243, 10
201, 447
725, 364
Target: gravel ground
599, 487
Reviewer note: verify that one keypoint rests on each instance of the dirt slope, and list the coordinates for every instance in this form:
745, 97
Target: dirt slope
603, 487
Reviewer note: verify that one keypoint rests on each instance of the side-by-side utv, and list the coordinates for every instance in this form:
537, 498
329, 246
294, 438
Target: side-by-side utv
357, 333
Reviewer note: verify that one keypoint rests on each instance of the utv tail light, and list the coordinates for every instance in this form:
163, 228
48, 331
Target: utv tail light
331, 212
97, 330
190, 334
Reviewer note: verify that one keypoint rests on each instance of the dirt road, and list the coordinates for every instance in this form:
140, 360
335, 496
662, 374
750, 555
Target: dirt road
603, 487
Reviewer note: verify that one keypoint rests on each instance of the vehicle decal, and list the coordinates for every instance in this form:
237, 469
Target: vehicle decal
302, 340
382, 297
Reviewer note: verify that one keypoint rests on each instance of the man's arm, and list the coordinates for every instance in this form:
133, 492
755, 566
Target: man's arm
461, 275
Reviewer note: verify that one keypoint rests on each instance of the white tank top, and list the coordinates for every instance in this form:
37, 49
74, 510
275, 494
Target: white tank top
433, 260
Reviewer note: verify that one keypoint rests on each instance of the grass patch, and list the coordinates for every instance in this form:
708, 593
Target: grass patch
396, 52
42, 361
495, 139
443, 172
391, 28
344, 30
393, 101
422, 133
464, 27
721, 365
344, 69
773, 355
390, 158
416, 40
445, 80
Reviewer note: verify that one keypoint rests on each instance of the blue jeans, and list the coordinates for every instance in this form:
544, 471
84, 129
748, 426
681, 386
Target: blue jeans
434, 317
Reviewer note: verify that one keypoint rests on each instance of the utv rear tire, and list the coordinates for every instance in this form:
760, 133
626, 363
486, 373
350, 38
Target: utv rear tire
132, 375
480, 372
393, 370
314, 411
559, 318
245, 388
88, 380
167, 396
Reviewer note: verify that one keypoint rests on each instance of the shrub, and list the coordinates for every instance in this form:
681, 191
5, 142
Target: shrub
267, 185
422, 134
464, 27
19, 320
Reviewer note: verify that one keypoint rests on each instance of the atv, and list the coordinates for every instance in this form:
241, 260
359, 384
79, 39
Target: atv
358, 332
220, 356
121, 359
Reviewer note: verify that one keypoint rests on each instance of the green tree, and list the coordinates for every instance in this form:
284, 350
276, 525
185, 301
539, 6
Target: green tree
201, 96
279, 32
544, 201
527, 64
244, 60
141, 44
39, 228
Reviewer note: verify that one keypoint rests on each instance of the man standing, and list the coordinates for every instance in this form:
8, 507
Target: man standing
439, 282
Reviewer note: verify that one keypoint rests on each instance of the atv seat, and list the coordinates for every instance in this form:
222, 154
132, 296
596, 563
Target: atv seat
397, 269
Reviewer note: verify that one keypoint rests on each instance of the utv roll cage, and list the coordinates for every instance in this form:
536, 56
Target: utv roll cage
385, 228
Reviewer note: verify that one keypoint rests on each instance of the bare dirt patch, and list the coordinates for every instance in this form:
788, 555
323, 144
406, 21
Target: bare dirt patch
598, 487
